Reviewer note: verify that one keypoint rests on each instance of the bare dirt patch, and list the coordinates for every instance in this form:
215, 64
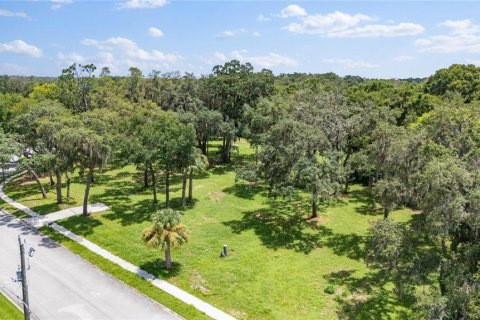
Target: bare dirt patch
238, 314
318, 220
198, 283
216, 196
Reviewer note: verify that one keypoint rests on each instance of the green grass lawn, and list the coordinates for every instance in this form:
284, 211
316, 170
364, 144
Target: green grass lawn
8, 311
279, 264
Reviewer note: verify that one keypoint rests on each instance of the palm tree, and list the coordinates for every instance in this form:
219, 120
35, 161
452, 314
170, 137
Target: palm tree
166, 232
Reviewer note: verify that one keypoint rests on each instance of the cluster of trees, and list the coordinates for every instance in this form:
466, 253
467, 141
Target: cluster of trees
414, 143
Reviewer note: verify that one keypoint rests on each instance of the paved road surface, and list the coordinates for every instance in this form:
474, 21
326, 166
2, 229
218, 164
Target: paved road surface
64, 287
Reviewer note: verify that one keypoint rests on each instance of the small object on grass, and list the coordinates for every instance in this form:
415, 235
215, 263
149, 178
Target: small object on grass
224, 252
330, 289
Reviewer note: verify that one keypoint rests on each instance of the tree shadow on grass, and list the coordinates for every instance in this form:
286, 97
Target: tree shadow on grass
366, 297
17, 190
282, 225
115, 192
157, 268
81, 225
201, 175
350, 245
244, 191
128, 213
126, 174
176, 204
220, 169
53, 207
367, 205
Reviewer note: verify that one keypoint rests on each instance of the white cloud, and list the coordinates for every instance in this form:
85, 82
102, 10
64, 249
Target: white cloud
262, 18
461, 26
128, 48
256, 34
218, 58
463, 36
473, 61
403, 58
154, 32
118, 54
267, 61
378, 30
327, 24
225, 34
100, 59
21, 47
142, 4
230, 33
68, 59
338, 24
292, 10
351, 64
273, 60
57, 4
8, 13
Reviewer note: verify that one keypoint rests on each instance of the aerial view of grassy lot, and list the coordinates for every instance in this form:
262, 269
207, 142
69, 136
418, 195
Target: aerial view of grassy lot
280, 265
8, 311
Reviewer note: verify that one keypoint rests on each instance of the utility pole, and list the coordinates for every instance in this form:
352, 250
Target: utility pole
26, 305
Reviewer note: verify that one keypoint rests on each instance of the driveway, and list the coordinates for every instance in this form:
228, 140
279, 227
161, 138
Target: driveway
63, 286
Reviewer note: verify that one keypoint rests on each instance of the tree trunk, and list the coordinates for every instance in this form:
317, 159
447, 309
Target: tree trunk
442, 272
145, 178
202, 145
184, 187
168, 256
345, 188
52, 183
3, 175
154, 184
167, 190
68, 184
39, 183
190, 186
385, 207
58, 186
314, 202
385, 213
226, 150
81, 171
87, 190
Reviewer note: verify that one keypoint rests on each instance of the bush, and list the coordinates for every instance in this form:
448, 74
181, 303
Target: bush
330, 289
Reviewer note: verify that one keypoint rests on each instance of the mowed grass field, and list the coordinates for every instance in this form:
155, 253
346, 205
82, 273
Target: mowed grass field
8, 311
278, 266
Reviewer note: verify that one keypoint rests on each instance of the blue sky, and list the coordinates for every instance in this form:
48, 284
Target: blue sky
384, 39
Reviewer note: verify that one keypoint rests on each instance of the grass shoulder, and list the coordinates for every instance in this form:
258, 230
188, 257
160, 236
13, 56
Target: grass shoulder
126, 277
8, 311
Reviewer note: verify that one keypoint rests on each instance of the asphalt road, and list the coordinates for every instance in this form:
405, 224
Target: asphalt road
63, 286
